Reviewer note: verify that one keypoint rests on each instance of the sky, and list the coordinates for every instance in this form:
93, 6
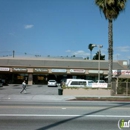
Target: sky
60, 28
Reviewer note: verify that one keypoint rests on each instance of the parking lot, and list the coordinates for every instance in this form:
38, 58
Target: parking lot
31, 89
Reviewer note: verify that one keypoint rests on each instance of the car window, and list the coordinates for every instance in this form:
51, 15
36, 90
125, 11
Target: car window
102, 81
78, 83
91, 81
82, 82
74, 83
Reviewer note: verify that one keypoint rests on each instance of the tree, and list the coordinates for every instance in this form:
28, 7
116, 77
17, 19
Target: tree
90, 47
73, 56
87, 58
111, 9
96, 56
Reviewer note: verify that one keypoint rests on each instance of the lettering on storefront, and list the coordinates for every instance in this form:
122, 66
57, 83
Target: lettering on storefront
77, 71
40, 70
19, 70
4, 69
58, 70
121, 72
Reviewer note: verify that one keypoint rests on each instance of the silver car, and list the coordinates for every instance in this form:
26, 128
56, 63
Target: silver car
52, 83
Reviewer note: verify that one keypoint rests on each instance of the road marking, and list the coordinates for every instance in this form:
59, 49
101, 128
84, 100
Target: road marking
59, 107
37, 115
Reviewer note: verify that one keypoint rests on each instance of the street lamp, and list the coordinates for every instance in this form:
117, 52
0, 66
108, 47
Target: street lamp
99, 47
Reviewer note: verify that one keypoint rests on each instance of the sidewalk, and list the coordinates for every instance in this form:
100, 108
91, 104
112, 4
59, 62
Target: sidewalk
43, 98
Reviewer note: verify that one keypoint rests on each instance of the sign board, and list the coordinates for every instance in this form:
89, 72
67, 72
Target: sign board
95, 71
4, 69
99, 85
19, 69
40, 70
58, 70
77, 71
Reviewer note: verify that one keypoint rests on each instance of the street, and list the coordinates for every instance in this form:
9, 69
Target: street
89, 115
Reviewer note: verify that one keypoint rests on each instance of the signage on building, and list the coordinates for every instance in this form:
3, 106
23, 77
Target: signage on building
4, 69
40, 70
121, 72
77, 71
58, 70
95, 71
19, 70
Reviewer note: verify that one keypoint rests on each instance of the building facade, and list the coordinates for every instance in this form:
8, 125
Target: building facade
40, 70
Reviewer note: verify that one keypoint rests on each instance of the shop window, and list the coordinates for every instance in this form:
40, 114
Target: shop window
20, 77
40, 78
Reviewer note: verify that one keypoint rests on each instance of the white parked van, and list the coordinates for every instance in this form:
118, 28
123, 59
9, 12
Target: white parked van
76, 83
79, 83
68, 80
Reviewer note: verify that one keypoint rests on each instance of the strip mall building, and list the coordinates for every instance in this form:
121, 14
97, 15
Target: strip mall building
40, 70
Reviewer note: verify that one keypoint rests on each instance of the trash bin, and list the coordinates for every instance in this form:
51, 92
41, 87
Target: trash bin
60, 91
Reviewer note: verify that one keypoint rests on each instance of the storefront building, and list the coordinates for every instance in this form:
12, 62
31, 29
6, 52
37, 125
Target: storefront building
39, 71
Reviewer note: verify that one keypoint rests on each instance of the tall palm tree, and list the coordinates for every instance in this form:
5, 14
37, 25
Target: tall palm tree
111, 9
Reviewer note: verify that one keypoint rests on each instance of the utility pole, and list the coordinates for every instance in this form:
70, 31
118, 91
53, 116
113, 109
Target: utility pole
13, 53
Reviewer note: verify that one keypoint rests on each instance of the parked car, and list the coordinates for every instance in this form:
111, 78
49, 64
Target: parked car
1, 83
100, 81
52, 83
89, 83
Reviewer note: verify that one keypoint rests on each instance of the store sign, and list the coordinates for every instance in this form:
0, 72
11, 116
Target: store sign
19, 70
4, 69
58, 70
95, 71
77, 71
40, 70
121, 72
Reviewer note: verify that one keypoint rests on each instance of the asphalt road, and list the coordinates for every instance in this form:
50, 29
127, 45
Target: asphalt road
63, 115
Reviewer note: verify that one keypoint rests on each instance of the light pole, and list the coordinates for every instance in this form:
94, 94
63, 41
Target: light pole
99, 48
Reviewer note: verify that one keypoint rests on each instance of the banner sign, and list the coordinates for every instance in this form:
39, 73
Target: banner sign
99, 85
121, 72
4, 69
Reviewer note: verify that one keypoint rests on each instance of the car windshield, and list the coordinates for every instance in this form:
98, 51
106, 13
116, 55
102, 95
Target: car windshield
52, 81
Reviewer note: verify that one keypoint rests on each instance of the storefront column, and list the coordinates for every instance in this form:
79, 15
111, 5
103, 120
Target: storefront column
30, 79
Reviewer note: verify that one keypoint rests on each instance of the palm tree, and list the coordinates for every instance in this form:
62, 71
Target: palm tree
111, 9
90, 47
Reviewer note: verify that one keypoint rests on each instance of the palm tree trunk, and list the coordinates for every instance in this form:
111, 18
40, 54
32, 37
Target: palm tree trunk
110, 49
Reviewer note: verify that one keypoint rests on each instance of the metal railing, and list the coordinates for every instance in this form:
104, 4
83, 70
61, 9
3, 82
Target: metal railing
120, 88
